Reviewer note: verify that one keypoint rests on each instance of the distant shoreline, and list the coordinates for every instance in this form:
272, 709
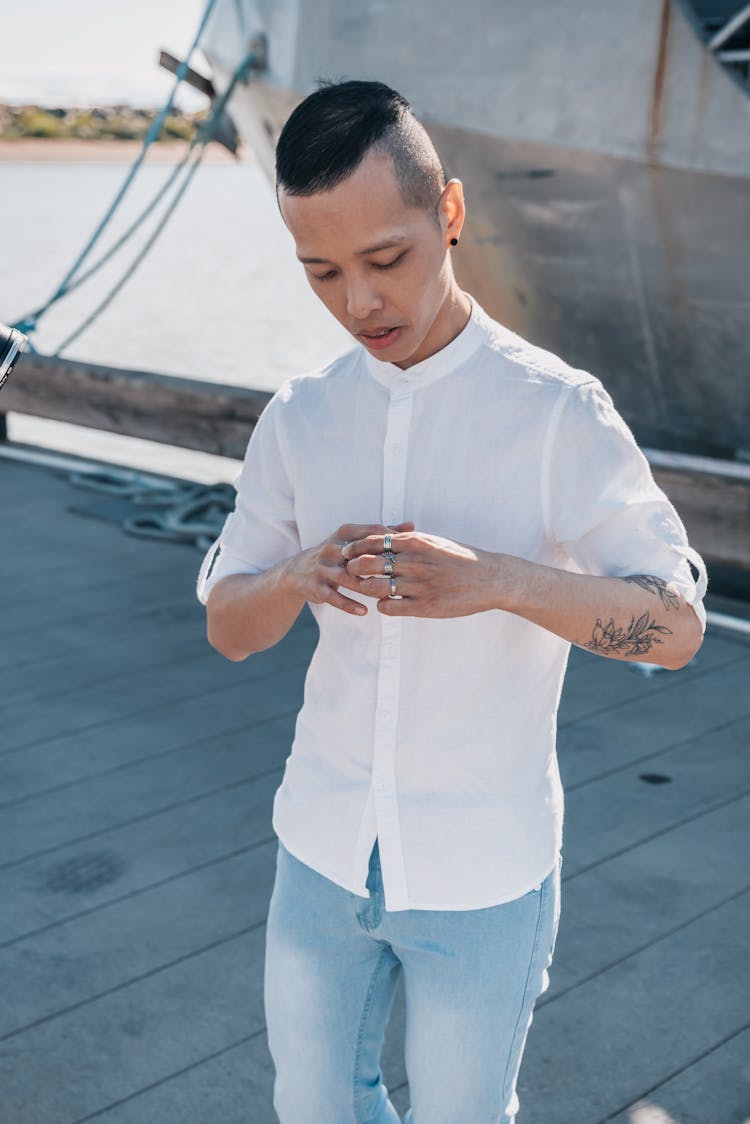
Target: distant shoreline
74, 150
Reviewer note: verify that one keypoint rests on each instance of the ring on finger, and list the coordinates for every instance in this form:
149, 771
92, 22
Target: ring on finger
387, 542
388, 567
393, 588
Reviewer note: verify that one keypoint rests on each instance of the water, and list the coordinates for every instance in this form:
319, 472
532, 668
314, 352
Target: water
220, 296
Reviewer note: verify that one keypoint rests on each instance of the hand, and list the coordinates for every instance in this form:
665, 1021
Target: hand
316, 574
435, 577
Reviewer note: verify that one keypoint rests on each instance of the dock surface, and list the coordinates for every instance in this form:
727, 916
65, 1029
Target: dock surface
138, 773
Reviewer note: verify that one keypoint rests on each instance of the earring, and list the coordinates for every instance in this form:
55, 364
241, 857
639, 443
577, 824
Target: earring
454, 241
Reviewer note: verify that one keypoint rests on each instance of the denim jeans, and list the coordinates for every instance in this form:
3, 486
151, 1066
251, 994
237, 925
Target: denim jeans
471, 979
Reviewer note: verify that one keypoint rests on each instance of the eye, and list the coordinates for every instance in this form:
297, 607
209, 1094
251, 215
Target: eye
390, 264
324, 276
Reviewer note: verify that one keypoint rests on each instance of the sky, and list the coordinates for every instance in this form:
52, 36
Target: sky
79, 52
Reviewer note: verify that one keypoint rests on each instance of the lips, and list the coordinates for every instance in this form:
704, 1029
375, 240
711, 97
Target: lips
380, 337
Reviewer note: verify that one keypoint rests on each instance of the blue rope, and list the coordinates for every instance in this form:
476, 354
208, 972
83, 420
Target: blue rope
203, 137
29, 323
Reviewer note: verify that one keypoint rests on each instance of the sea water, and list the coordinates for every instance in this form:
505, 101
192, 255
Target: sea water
220, 296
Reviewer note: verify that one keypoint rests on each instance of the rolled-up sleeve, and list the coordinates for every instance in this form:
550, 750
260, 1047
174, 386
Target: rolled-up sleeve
261, 530
602, 503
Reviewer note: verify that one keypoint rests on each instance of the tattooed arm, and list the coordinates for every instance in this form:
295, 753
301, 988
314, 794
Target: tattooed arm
637, 617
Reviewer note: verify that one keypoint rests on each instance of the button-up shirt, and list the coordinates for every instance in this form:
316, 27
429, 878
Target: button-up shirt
438, 736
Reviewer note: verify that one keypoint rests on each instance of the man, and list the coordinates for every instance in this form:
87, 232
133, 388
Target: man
457, 506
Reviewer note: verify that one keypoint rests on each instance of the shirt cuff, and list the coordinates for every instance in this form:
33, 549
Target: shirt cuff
219, 563
693, 590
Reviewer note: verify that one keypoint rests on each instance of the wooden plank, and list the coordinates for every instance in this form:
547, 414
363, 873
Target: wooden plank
130, 858
619, 811
162, 798
234, 1086
127, 939
145, 788
715, 510
138, 648
714, 1089
70, 757
608, 682
69, 638
136, 936
141, 692
635, 731
612, 910
594, 919
63, 1068
598, 1047
74, 636
110, 592
212, 417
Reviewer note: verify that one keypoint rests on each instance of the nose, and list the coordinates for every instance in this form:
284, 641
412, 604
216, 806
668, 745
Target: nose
361, 299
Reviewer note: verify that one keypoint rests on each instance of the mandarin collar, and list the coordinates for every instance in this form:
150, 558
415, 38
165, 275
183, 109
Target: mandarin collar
434, 366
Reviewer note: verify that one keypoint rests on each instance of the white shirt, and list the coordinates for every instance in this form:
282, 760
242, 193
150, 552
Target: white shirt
438, 736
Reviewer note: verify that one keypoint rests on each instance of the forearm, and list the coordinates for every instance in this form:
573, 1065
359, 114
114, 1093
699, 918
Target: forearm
248, 613
630, 618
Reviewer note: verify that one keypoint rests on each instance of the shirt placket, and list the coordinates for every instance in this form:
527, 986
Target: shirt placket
389, 674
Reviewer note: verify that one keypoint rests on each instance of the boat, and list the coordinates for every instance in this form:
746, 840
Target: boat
605, 156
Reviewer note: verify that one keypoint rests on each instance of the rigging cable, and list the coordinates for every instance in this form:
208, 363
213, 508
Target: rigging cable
28, 323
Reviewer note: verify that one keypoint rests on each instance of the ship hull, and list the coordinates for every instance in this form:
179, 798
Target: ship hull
626, 258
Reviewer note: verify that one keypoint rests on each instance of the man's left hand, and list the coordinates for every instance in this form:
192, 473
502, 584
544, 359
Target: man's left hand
435, 577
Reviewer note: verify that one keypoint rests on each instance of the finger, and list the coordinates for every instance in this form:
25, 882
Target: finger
353, 532
367, 564
330, 554
348, 604
337, 574
380, 587
347, 532
369, 544
404, 607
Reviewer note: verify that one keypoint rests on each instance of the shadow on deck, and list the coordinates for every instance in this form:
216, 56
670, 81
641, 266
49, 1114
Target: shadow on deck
138, 772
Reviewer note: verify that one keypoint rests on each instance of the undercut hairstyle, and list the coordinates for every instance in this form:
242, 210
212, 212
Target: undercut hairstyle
329, 133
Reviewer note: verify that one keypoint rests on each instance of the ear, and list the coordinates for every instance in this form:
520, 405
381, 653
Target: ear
452, 210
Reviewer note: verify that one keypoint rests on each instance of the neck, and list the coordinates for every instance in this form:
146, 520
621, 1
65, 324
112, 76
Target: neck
450, 321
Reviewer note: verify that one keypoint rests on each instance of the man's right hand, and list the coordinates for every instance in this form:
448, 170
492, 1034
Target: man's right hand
316, 574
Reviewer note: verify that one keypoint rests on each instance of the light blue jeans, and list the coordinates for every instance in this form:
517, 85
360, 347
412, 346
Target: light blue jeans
471, 979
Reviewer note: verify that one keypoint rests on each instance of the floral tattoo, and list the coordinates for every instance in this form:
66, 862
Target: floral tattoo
667, 596
642, 632
636, 640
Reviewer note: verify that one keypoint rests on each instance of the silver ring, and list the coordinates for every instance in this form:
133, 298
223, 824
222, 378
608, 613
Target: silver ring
344, 544
387, 567
393, 588
387, 542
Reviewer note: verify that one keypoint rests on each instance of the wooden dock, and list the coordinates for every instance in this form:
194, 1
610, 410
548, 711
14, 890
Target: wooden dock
138, 772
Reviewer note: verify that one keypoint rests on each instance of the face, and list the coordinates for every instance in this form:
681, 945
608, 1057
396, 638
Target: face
377, 264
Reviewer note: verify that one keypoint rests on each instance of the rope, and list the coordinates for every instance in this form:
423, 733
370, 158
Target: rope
28, 323
180, 510
203, 136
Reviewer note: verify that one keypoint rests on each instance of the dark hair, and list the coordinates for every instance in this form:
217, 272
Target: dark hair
328, 134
